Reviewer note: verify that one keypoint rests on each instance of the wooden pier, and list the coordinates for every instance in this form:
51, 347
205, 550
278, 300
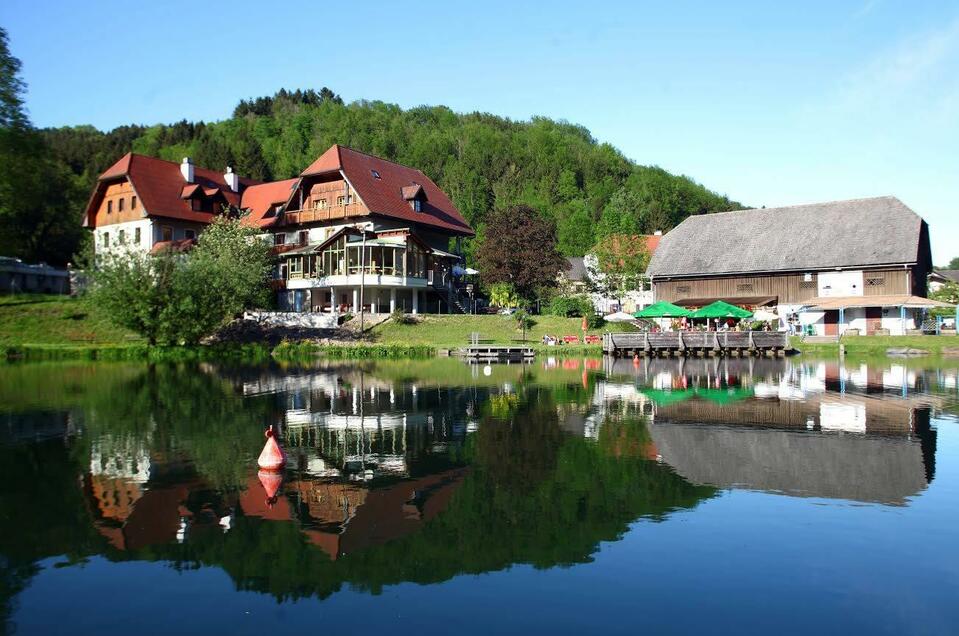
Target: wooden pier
696, 343
498, 353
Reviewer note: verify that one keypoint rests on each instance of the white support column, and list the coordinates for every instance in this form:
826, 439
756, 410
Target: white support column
392, 300
416, 301
374, 300
332, 300
356, 300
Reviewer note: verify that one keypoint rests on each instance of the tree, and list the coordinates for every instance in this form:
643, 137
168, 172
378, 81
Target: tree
38, 220
174, 298
12, 88
948, 293
953, 264
520, 249
621, 261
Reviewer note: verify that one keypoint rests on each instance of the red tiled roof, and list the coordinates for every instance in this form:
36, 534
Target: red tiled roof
261, 198
177, 246
163, 192
652, 242
410, 192
384, 196
160, 186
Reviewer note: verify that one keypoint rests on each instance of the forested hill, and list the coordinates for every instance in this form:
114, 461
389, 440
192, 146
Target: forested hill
483, 161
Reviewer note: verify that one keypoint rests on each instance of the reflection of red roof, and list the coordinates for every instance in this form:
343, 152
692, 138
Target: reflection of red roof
260, 199
385, 195
161, 188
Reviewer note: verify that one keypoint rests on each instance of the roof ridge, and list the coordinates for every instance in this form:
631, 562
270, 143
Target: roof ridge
799, 205
372, 156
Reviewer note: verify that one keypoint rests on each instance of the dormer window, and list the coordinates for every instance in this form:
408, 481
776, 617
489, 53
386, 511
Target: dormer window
417, 205
376, 175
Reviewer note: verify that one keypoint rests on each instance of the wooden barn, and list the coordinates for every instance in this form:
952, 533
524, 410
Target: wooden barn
825, 268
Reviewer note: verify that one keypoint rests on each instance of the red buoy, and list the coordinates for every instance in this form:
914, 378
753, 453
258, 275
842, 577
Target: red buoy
272, 457
271, 482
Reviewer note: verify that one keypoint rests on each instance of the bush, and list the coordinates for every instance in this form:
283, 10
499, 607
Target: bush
173, 299
574, 306
401, 318
523, 319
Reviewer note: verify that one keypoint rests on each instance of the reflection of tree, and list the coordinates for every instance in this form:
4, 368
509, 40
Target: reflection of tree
534, 494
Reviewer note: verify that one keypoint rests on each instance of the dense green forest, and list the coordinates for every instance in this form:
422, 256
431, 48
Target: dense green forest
484, 162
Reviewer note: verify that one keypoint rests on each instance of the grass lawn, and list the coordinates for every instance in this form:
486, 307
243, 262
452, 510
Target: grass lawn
877, 345
35, 319
451, 331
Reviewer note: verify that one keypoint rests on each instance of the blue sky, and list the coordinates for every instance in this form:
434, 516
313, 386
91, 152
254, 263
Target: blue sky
770, 103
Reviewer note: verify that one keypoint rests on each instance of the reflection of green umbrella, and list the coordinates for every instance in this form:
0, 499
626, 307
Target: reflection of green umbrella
662, 309
725, 396
664, 398
720, 309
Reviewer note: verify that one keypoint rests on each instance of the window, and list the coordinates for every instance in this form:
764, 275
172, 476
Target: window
136, 235
319, 204
417, 205
682, 289
876, 281
166, 233
121, 237
133, 203
744, 287
304, 237
376, 175
279, 238
190, 234
109, 207
106, 239
341, 200
120, 203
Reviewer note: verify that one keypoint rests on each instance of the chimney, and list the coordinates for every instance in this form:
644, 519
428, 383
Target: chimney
232, 179
186, 169
658, 233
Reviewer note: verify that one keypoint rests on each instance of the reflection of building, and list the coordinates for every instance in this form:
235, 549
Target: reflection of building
882, 469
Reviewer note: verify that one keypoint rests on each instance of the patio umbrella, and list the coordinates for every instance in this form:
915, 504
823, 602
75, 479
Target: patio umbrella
619, 316
765, 315
720, 309
665, 398
662, 309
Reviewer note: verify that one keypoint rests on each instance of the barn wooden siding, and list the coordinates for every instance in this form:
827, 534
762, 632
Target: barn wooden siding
787, 288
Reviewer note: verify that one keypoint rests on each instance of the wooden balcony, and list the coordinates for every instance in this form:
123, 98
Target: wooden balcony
331, 213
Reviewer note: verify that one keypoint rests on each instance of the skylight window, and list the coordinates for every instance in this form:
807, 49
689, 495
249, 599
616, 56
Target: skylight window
376, 175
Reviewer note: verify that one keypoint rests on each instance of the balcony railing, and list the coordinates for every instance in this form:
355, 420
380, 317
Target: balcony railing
331, 213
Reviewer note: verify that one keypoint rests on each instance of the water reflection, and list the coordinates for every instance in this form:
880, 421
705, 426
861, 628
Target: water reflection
422, 470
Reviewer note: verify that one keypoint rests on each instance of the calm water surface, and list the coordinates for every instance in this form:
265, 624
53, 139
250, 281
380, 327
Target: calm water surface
568, 496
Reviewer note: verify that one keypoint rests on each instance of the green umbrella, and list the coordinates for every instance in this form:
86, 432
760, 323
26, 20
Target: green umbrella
662, 309
725, 396
665, 398
720, 309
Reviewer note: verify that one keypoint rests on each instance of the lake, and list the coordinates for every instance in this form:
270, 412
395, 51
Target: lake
431, 496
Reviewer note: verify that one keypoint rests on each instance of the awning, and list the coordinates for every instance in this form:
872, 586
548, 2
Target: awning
752, 301
446, 254
826, 303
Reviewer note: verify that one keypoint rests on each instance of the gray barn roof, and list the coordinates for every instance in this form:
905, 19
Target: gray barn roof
577, 269
855, 233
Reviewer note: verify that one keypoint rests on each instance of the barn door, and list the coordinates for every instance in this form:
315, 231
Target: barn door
831, 322
873, 319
